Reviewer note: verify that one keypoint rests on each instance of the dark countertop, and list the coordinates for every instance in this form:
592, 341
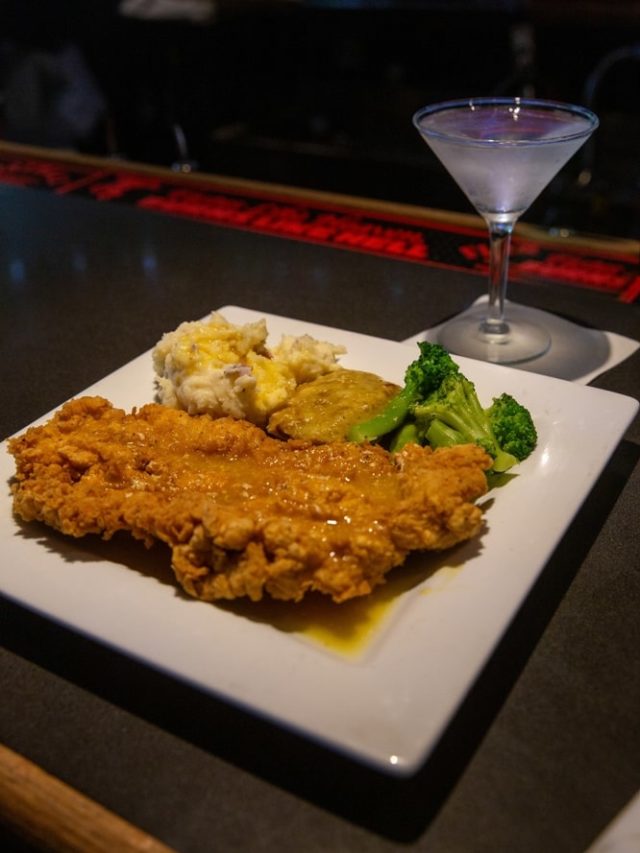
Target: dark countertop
544, 751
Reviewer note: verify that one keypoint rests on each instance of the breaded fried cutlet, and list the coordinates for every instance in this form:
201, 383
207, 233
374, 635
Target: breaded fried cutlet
245, 514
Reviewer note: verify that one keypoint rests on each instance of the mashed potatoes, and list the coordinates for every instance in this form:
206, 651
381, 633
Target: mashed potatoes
211, 366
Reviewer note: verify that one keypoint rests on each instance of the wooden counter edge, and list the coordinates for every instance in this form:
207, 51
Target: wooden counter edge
50, 814
571, 240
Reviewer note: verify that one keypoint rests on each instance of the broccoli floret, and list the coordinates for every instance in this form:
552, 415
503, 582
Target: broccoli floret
513, 426
422, 377
452, 414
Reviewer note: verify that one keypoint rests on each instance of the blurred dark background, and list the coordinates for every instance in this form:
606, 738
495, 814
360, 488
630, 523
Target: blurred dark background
321, 94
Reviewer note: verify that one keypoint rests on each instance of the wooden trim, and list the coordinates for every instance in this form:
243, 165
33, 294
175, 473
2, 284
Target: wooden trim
47, 812
613, 245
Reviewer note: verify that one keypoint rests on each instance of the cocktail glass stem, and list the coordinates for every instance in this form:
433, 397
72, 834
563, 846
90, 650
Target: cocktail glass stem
494, 323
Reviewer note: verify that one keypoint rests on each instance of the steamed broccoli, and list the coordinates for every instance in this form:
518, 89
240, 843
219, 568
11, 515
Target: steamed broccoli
423, 375
513, 426
452, 414
439, 406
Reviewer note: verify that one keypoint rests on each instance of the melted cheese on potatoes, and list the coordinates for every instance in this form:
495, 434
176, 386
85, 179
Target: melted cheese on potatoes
212, 366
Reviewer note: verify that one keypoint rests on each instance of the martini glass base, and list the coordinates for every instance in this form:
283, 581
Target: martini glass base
523, 341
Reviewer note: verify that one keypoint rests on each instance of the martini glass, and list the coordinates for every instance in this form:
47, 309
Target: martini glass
502, 152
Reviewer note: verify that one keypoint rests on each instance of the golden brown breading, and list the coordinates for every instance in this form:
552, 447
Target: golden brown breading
245, 514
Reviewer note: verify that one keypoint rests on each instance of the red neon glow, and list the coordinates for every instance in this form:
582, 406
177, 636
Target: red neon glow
408, 238
293, 221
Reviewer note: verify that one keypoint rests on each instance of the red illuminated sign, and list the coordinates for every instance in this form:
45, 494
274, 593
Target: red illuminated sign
432, 242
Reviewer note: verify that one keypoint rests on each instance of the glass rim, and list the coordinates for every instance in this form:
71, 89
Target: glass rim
540, 103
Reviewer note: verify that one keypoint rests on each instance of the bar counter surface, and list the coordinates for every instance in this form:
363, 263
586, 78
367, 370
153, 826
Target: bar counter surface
544, 751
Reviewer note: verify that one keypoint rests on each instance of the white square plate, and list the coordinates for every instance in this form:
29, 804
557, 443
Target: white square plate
381, 681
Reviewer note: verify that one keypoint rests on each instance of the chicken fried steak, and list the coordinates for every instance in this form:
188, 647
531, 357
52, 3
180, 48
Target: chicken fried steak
244, 513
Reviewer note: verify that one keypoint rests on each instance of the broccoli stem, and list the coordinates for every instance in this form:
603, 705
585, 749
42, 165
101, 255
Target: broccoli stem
502, 461
393, 415
406, 434
441, 435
